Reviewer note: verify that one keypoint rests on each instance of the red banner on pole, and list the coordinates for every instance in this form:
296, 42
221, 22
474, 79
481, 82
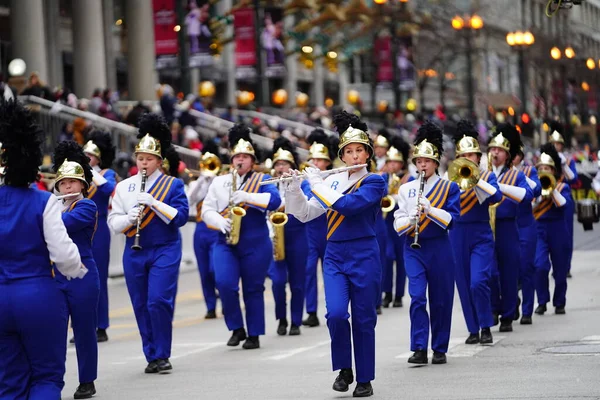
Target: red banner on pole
245, 44
383, 56
166, 45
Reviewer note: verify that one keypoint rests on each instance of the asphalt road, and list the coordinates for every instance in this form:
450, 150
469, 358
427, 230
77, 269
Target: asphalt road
555, 358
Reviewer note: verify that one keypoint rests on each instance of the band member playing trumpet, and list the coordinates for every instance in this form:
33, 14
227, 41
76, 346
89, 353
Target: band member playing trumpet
428, 213
101, 152
381, 145
471, 236
289, 239
157, 213
243, 248
503, 147
552, 249
80, 215
33, 311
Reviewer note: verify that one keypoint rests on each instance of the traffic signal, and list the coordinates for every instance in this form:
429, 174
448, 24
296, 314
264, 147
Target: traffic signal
526, 125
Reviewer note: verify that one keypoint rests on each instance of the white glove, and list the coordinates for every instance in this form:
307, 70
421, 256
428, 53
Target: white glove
293, 185
133, 215
412, 216
146, 199
239, 196
563, 159
313, 175
224, 225
426, 205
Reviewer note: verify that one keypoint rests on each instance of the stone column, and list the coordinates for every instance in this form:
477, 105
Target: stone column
109, 43
28, 36
140, 50
55, 60
343, 77
89, 63
319, 83
228, 55
291, 65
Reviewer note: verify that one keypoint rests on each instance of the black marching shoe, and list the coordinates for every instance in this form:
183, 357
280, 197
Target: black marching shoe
294, 330
282, 328
210, 314
387, 300
379, 310
101, 335
517, 313
496, 318
164, 366
486, 336
85, 391
438, 358
251, 343
363, 390
344, 379
560, 310
397, 302
418, 357
541, 309
312, 320
236, 337
506, 325
526, 320
152, 367
472, 339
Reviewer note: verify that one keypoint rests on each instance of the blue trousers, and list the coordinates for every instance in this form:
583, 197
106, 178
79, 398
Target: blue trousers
473, 246
527, 240
430, 270
33, 339
394, 253
250, 261
316, 251
352, 275
82, 304
382, 241
551, 247
151, 276
204, 242
292, 270
508, 259
101, 251
569, 219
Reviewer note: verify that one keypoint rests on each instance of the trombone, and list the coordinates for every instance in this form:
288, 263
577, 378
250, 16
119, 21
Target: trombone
464, 172
548, 182
210, 165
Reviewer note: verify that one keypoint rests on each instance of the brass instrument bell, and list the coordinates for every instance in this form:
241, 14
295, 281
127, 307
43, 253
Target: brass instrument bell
464, 172
548, 182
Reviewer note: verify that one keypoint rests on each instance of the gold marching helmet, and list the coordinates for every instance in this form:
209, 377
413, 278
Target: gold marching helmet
425, 149
467, 144
149, 145
381, 141
546, 159
393, 154
318, 151
353, 135
243, 147
91, 148
557, 138
70, 170
501, 142
284, 155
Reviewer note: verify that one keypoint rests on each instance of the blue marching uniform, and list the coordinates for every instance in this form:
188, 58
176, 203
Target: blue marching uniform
80, 219
352, 263
316, 232
151, 273
431, 268
382, 243
528, 238
552, 249
101, 194
33, 310
292, 270
251, 257
473, 245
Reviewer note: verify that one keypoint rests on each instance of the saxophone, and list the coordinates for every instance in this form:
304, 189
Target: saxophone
388, 203
278, 220
236, 213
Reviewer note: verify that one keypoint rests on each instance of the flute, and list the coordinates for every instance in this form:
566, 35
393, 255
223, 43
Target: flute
66, 196
302, 175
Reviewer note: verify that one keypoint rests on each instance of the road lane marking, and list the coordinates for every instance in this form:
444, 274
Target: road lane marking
293, 352
458, 348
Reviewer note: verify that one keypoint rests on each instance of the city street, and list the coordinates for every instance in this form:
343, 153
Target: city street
555, 358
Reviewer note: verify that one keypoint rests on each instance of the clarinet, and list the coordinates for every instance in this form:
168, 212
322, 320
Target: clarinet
415, 244
136, 240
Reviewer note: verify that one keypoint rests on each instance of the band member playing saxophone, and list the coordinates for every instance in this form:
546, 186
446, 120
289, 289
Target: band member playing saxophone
235, 205
151, 272
425, 219
352, 265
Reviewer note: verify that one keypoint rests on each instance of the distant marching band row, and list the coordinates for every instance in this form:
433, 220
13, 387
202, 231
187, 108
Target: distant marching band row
490, 229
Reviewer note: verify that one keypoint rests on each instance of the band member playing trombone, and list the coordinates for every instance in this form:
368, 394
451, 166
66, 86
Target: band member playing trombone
80, 215
351, 268
151, 219
290, 247
471, 236
552, 249
101, 152
427, 209
235, 205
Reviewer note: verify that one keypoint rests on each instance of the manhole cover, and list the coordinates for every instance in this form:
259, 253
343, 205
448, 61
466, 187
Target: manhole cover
574, 349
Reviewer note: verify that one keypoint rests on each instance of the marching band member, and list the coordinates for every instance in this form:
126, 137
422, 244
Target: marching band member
99, 148
472, 240
292, 269
351, 268
250, 258
155, 204
80, 215
428, 206
320, 156
527, 239
204, 237
33, 310
552, 249
381, 146
503, 147
397, 156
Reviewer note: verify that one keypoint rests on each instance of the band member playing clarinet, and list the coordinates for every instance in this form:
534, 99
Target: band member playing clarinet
151, 273
352, 264
427, 209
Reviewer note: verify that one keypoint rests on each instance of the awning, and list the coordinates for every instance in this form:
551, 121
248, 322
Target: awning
499, 100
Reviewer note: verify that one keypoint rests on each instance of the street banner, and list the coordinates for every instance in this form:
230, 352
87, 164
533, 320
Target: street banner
272, 42
245, 44
166, 46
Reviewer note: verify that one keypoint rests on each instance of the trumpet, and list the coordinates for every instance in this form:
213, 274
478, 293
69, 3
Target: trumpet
236, 213
548, 182
302, 175
136, 241
415, 244
464, 172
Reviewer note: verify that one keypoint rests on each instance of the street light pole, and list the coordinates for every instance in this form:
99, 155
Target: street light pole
470, 89
262, 82
522, 79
